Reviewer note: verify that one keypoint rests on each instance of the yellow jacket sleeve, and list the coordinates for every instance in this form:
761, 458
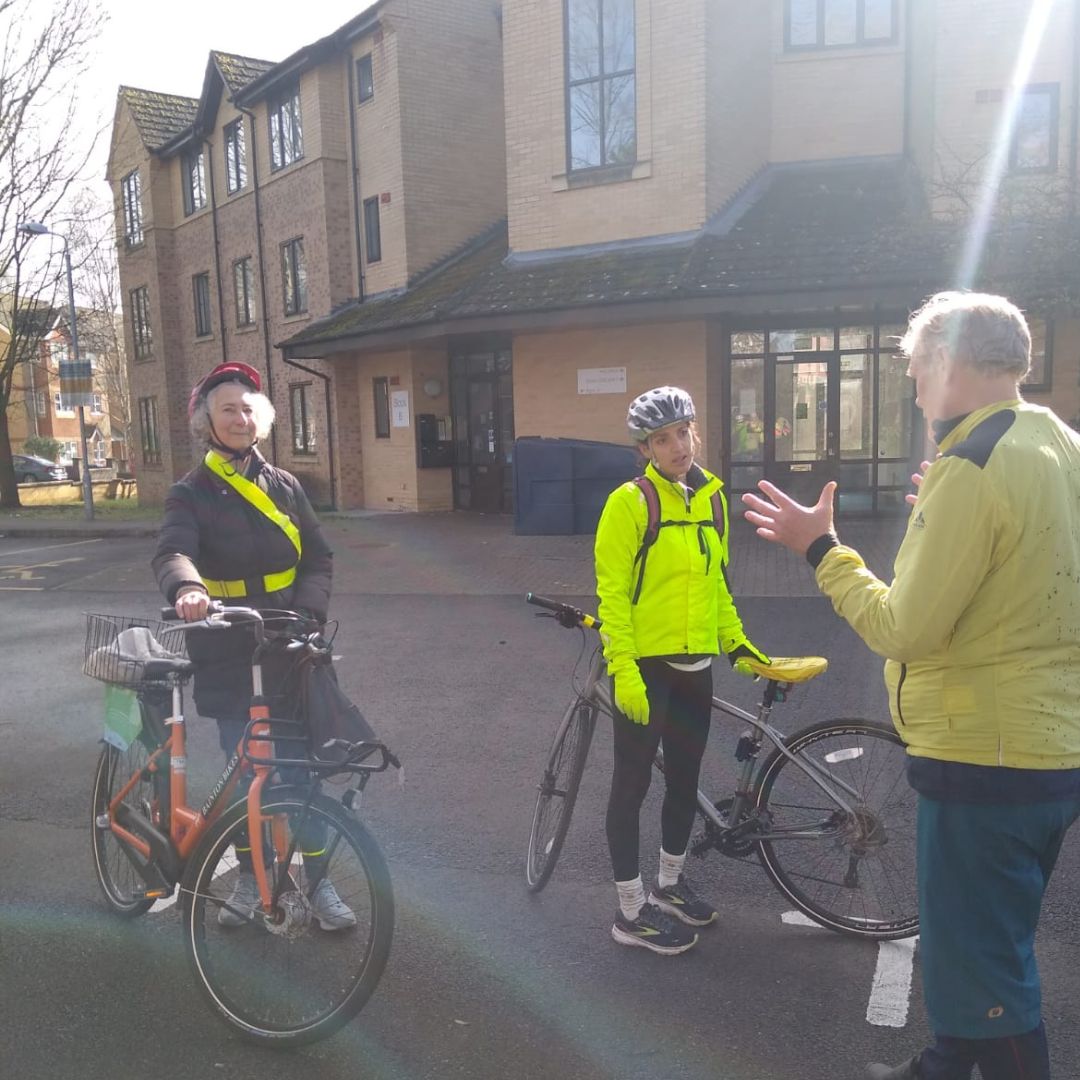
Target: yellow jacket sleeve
945, 556
618, 538
729, 626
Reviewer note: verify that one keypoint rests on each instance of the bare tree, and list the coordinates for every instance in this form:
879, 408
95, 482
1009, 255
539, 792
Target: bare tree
97, 282
44, 51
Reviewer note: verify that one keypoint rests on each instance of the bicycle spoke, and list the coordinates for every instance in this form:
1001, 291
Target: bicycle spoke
296, 974
858, 875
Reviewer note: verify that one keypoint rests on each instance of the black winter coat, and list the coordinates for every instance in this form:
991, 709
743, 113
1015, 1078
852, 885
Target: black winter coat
210, 529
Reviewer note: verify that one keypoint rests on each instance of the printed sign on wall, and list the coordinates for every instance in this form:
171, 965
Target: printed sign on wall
399, 408
601, 380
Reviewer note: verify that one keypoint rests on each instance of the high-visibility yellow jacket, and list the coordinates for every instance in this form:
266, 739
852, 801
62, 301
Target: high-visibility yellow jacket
981, 625
685, 608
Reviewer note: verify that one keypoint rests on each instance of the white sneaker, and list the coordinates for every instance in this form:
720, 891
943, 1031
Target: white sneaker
239, 909
331, 911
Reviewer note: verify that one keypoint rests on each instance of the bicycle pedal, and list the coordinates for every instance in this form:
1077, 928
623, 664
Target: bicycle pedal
154, 894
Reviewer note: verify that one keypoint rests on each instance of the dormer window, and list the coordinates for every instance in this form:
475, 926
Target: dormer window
286, 129
235, 157
193, 174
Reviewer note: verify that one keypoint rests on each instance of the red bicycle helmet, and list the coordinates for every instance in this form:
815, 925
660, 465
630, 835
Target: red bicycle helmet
232, 371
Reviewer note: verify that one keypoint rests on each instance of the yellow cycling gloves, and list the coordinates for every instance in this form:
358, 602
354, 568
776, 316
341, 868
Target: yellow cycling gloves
629, 688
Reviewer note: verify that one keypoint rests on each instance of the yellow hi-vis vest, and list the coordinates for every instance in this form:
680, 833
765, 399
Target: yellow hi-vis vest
252, 493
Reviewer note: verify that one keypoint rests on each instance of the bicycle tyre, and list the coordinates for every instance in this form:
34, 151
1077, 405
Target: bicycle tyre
118, 878
860, 877
295, 987
557, 792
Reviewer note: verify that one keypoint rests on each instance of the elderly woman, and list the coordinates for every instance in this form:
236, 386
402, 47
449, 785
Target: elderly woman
241, 531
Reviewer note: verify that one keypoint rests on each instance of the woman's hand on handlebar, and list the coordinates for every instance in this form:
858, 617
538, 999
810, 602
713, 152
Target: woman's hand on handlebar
193, 605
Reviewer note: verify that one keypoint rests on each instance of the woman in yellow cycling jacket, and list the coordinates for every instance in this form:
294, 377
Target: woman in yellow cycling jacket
667, 612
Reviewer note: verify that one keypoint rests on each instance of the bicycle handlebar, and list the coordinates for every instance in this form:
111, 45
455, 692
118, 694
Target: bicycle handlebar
564, 614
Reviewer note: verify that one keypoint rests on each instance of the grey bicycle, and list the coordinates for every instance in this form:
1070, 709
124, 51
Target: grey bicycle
828, 811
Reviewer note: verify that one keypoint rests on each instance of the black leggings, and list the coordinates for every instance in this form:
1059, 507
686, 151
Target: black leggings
680, 704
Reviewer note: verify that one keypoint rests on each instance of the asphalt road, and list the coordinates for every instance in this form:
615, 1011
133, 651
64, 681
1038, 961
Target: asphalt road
484, 981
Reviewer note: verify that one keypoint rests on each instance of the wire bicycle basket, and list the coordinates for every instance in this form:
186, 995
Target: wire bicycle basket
118, 646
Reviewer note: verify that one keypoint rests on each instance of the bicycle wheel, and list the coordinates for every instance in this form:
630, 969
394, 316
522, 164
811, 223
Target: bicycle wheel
850, 872
116, 873
557, 792
281, 979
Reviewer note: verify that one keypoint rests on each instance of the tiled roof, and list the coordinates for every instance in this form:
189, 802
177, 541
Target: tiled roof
238, 71
847, 226
159, 117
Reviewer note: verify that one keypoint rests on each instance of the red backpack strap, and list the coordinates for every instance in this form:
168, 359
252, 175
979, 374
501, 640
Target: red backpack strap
652, 528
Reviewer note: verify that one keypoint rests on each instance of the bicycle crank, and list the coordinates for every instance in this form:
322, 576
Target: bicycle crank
733, 841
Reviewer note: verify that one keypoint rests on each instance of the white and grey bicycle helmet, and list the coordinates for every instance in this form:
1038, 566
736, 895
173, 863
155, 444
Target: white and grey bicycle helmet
656, 409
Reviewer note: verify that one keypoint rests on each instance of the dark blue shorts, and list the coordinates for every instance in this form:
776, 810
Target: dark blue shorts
983, 870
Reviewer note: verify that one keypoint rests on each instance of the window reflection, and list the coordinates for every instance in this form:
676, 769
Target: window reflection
601, 102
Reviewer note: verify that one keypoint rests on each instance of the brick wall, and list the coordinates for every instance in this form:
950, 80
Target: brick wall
451, 99
739, 96
667, 192
966, 63
379, 160
1064, 394
389, 464
835, 103
546, 398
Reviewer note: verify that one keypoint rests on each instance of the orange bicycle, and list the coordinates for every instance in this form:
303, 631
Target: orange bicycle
267, 970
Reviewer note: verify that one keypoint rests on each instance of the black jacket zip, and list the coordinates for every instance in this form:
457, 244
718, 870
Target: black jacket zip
899, 687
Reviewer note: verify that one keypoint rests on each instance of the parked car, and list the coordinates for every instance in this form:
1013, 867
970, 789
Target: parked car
35, 470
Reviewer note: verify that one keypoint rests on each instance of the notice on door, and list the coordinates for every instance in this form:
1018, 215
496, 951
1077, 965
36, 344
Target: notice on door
601, 380
399, 408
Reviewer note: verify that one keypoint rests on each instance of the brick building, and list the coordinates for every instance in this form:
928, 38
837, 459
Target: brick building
285, 190
746, 198
38, 406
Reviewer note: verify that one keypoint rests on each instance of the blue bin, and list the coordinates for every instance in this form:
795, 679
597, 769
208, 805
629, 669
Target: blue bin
561, 485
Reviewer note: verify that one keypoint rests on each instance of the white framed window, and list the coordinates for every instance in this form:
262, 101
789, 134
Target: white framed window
96, 408
59, 406
41, 403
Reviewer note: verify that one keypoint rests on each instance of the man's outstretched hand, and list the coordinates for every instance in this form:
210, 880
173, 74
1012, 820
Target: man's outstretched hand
782, 520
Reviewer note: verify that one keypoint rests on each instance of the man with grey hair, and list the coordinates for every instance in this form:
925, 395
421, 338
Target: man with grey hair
980, 629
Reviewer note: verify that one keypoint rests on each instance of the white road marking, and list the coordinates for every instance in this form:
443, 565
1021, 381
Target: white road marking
890, 992
47, 547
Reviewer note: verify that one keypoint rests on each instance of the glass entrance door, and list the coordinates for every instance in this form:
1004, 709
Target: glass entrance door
819, 404
805, 425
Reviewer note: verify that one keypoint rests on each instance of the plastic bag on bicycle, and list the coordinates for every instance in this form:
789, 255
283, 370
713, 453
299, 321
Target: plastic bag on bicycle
328, 712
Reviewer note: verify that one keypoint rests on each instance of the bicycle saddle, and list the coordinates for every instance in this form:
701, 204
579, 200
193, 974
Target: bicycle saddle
784, 669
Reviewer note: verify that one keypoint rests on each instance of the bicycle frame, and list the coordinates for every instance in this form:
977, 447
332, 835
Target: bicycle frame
597, 691
253, 757
187, 825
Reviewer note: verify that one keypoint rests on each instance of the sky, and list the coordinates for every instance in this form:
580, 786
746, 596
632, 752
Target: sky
172, 56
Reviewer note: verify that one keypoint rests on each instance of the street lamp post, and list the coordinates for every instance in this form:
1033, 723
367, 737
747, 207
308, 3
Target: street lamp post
35, 228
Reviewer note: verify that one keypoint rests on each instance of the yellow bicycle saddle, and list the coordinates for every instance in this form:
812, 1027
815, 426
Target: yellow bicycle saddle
784, 669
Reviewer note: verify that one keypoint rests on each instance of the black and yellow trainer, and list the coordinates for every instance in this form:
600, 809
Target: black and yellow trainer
653, 930
681, 901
